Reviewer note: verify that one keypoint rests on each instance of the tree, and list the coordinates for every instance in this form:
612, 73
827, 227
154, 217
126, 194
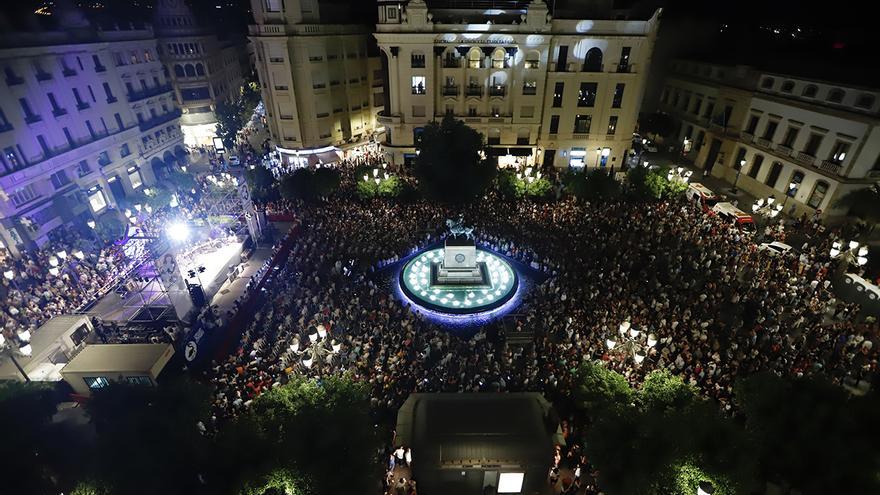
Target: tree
261, 183
230, 121
315, 428
812, 434
308, 185
449, 167
593, 185
653, 183
662, 391
109, 227
25, 413
514, 187
389, 188
599, 389
862, 203
147, 437
658, 124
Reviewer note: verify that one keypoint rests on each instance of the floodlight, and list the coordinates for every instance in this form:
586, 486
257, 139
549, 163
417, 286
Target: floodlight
178, 231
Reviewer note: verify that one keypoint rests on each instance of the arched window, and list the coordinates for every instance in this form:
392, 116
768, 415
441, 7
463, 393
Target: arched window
494, 136
498, 57
773, 176
810, 91
818, 194
200, 69
522, 136
768, 82
533, 60
593, 60
788, 86
865, 101
190, 70
178, 70
835, 95
475, 59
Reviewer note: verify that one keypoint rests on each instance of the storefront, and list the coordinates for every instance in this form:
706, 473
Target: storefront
512, 157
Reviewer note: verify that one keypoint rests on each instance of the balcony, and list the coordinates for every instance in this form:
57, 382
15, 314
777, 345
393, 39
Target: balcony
532, 64
474, 91
783, 149
32, 119
104, 161
112, 99
68, 72
764, 143
417, 63
530, 90
5, 127
451, 90
285, 117
419, 90
322, 115
451, 63
624, 68
316, 59
497, 90
58, 112
159, 120
747, 137
100, 68
14, 80
82, 105
319, 86
805, 158
44, 76
831, 167
143, 94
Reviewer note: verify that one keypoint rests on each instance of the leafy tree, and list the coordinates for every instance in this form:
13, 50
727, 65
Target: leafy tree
449, 166
862, 203
593, 185
280, 482
812, 434
658, 124
512, 186
325, 181
315, 428
261, 183
181, 181
305, 184
147, 437
599, 389
90, 487
662, 391
230, 121
109, 227
653, 184
390, 187
687, 476
25, 413
249, 97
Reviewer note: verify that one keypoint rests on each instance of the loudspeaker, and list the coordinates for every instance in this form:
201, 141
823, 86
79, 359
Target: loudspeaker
197, 294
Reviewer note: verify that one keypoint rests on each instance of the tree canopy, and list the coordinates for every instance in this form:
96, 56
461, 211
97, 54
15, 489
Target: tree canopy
592, 185
862, 203
658, 124
449, 166
309, 185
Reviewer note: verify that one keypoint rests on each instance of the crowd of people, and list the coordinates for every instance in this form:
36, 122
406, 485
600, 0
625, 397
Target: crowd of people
718, 307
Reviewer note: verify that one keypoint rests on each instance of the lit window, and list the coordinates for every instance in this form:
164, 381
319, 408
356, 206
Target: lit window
97, 200
510, 482
418, 85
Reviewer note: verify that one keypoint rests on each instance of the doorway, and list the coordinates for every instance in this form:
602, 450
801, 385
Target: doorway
116, 189
712, 156
549, 158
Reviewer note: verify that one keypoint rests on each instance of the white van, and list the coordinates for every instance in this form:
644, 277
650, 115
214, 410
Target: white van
735, 216
701, 195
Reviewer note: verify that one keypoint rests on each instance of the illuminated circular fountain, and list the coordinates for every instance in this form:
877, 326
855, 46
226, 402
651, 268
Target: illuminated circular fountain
459, 279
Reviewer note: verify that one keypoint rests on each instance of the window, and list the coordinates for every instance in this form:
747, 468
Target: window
770, 130
593, 60
68, 137
391, 12
200, 70
178, 70
582, 124
710, 107
788, 86
83, 169
530, 87
96, 382
124, 150
417, 60
418, 85
56, 110
617, 100
810, 91
796, 179
29, 116
773, 176
612, 125
472, 111
558, 90
109, 93
838, 154
533, 61
740, 157
118, 121
510, 482
554, 124
624, 59
813, 144
757, 161
587, 94
23, 195
138, 380
790, 136
698, 105
835, 95
818, 194
865, 101
767, 83
134, 175
475, 59
499, 57
562, 60
753, 124
103, 159
59, 179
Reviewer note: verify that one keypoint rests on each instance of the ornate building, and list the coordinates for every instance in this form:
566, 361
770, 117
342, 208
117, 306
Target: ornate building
205, 67
87, 119
321, 84
555, 91
808, 139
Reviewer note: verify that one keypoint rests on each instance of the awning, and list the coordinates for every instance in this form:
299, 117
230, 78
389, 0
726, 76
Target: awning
501, 151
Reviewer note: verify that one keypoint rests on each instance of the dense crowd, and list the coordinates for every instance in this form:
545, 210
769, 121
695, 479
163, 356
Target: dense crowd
718, 307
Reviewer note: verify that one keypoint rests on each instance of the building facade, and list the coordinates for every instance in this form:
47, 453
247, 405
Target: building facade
321, 85
808, 140
88, 118
558, 92
205, 68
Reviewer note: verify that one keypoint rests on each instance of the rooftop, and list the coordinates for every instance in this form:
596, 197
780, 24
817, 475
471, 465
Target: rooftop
108, 358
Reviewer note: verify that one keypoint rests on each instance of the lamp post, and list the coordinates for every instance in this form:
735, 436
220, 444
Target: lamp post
24, 349
765, 207
849, 253
629, 342
792, 190
319, 347
679, 174
742, 163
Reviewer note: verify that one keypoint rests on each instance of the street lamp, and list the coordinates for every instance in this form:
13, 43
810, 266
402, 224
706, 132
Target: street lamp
320, 348
792, 190
24, 348
742, 163
705, 488
766, 208
849, 253
630, 342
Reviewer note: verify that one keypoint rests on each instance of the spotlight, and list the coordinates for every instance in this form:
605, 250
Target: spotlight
178, 231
